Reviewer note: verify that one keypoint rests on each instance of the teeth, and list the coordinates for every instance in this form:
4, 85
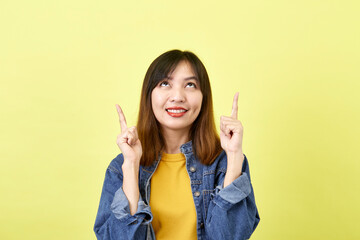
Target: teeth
176, 111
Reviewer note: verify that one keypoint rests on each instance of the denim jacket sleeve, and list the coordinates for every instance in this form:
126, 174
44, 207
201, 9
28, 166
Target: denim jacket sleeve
113, 220
232, 212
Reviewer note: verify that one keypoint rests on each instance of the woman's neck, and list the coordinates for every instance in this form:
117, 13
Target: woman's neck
174, 139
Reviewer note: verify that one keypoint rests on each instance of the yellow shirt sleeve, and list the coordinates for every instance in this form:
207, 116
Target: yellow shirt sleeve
171, 200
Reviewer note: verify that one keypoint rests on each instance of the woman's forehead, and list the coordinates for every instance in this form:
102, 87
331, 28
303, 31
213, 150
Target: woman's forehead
183, 66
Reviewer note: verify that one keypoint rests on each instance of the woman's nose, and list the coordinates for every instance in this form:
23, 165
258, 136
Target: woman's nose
177, 95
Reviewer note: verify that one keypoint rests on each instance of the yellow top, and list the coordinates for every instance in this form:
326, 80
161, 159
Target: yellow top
171, 200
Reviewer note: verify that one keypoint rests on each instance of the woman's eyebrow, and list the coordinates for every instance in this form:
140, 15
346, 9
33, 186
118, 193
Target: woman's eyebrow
191, 78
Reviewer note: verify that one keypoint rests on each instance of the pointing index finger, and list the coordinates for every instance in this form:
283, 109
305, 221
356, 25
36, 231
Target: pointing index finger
234, 112
122, 119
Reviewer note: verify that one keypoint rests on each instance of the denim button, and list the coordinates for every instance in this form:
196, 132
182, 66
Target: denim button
196, 194
202, 225
192, 169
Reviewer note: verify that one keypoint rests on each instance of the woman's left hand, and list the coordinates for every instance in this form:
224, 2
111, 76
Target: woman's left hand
231, 135
231, 131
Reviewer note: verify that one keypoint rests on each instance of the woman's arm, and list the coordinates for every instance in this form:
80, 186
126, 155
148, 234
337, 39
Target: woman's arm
114, 220
234, 167
130, 184
122, 213
130, 145
231, 137
232, 212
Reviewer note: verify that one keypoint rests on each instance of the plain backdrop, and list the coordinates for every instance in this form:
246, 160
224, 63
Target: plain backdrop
65, 64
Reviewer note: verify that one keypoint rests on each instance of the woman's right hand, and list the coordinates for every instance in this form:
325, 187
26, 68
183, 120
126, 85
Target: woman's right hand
130, 146
128, 141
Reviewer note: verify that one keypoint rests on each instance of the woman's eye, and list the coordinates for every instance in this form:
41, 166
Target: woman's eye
190, 84
163, 84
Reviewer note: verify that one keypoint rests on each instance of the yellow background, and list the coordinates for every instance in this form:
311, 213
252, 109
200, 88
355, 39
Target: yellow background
64, 65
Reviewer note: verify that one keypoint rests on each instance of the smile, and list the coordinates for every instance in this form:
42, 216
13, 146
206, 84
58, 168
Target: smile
176, 112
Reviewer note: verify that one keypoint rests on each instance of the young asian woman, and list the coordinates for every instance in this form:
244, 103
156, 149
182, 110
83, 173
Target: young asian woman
176, 178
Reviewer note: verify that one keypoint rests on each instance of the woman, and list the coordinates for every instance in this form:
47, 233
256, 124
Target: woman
175, 178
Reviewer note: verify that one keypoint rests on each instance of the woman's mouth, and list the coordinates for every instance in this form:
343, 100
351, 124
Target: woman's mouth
176, 111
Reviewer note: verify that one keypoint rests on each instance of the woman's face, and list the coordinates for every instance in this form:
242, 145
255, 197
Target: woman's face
176, 101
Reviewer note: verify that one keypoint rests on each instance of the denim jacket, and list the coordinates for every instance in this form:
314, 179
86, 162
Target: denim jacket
222, 213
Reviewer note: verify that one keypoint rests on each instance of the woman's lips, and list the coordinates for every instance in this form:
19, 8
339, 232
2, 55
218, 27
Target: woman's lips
176, 112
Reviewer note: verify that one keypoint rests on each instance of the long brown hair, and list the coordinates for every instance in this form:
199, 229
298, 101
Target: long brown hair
205, 139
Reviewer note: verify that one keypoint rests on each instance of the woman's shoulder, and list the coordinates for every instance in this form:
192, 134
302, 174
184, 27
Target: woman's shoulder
116, 163
220, 161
